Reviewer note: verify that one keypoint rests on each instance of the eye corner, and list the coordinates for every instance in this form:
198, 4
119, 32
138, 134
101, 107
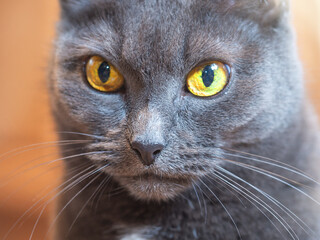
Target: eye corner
228, 67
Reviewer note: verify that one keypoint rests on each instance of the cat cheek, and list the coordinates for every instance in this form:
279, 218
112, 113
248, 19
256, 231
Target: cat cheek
83, 105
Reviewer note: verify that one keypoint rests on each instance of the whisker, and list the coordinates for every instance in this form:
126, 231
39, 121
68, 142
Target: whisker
86, 203
3, 201
99, 196
76, 195
266, 171
203, 200
252, 197
68, 187
44, 207
42, 198
292, 215
275, 178
195, 191
50, 162
36, 146
76, 168
83, 134
224, 207
117, 191
222, 184
273, 162
15, 173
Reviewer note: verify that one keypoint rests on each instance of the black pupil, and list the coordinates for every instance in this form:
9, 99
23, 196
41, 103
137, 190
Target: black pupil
208, 75
104, 72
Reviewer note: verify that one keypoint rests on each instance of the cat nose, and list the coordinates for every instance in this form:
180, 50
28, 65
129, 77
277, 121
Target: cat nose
148, 152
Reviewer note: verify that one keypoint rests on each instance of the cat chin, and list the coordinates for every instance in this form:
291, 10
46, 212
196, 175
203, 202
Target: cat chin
154, 188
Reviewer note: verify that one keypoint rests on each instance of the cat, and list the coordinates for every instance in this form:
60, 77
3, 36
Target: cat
191, 118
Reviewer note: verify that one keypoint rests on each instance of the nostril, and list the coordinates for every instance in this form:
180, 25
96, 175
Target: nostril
147, 152
157, 152
137, 151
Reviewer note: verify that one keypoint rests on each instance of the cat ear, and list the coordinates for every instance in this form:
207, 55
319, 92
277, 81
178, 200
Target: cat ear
267, 12
72, 6
274, 10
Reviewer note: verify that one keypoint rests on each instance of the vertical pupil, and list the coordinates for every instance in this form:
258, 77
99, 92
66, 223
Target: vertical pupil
208, 75
104, 72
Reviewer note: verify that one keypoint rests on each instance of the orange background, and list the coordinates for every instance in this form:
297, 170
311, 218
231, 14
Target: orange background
26, 36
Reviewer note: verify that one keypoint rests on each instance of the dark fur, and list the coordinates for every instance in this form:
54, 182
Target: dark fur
154, 44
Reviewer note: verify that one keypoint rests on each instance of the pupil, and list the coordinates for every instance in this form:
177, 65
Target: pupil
208, 75
104, 72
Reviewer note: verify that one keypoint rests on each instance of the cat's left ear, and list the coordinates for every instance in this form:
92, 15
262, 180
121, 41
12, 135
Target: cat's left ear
273, 10
266, 12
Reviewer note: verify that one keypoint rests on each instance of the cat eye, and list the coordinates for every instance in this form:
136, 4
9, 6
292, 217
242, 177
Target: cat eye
208, 79
103, 76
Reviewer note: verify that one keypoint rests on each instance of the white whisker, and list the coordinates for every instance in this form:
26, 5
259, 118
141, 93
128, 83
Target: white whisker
292, 215
66, 182
252, 198
36, 146
234, 223
83, 134
272, 162
277, 179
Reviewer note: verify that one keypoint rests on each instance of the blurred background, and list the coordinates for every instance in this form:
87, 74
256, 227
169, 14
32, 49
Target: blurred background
27, 30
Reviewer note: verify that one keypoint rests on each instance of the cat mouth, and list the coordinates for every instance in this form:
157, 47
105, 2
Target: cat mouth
158, 179
155, 187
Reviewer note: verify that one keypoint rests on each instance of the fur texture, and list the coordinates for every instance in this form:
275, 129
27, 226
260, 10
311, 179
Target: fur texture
154, 44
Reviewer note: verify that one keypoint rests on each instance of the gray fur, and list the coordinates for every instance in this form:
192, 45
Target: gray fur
154, 44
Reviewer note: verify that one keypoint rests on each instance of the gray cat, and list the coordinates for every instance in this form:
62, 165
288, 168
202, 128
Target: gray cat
190, 114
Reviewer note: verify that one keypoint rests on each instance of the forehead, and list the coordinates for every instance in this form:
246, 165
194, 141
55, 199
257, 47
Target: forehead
142, 10
160, 34
83, 9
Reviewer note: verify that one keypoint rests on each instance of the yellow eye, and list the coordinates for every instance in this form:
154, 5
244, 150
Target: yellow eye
102, 76
209, 79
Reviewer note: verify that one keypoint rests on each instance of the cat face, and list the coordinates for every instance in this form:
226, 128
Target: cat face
155, 45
